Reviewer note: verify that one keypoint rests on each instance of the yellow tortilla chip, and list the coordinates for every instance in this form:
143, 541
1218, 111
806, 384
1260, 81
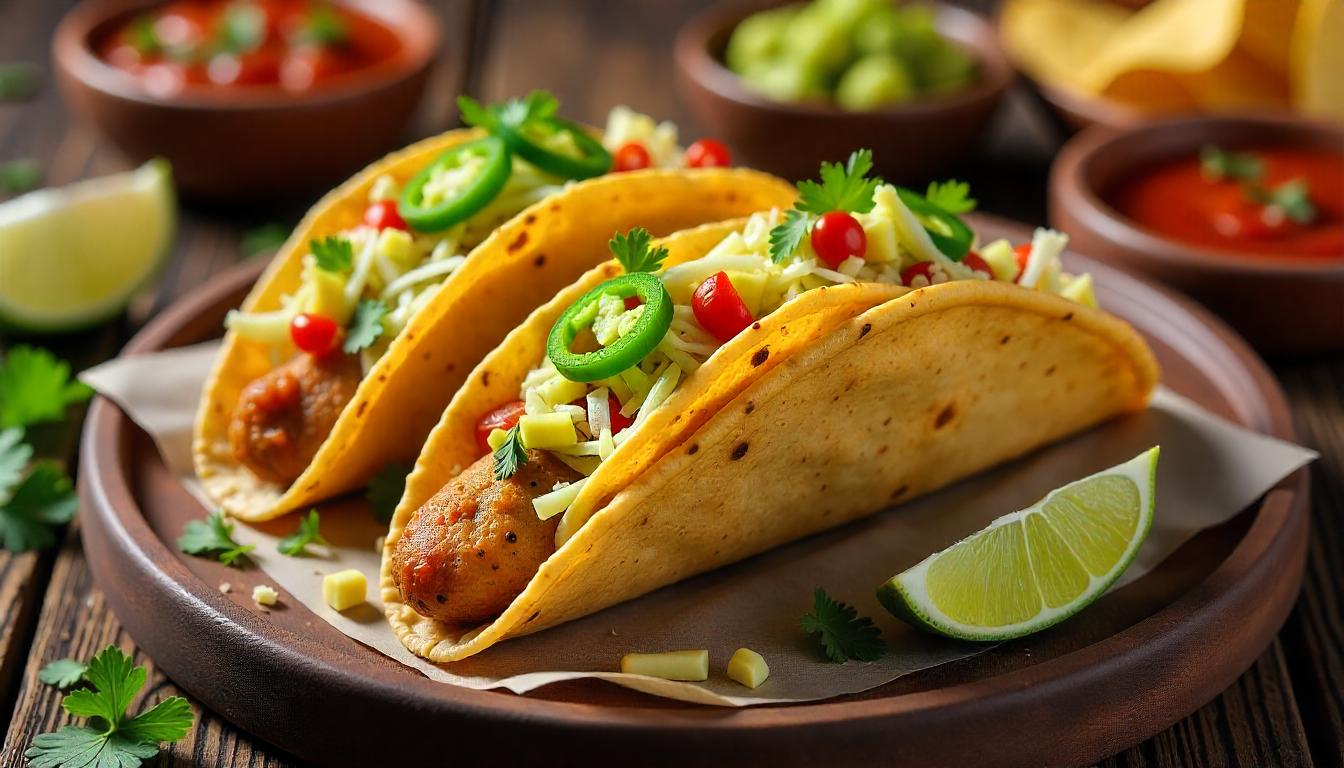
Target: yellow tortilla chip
1318, 59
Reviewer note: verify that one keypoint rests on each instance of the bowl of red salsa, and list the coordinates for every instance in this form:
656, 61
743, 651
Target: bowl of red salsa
1245, 213
248, 99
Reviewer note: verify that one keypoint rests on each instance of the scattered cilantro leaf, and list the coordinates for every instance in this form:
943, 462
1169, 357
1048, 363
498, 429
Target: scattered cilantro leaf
514, 113
111, 739
43, 500
265, 239
241, 29
323, 27
842, 188
1218, 164
20, 176
366, 325
632, 250
142, 36
35, 386
333, 253
952, 196
296, 543
510, 455
14, 456
787, 237
844, 636
18, 80
62, 673
385, 490
474, 113
1291, 197
212, 536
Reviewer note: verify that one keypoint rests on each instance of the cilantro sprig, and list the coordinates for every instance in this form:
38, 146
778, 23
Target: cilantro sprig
20, 175
1291, 197
1218, 164
842, 188
333, 253
35, 387
952, 196
110, 739
510, 455
296, 543
63, 673
536, 106
365, 326
385, 490
844, 635
212, 537
34, 499
633, 252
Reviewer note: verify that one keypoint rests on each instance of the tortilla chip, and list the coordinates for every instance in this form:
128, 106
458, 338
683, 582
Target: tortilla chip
1318, 59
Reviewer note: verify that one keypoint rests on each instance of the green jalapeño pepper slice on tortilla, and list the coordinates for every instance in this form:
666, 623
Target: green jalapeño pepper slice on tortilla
558, 147
623, 353
485, 165
948, 232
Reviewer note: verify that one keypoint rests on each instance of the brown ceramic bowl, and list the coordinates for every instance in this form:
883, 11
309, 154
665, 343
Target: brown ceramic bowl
258, 142
910, 142
1282, 304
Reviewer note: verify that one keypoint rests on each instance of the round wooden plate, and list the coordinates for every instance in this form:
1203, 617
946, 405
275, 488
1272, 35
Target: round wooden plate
1131, 665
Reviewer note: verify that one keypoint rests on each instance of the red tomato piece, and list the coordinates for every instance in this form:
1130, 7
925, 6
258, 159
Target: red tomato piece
836, 236
618, 422
719, 307
978, 264
707, 153
314, 334
632, 301
1023, 253
504, 417
922, 269
383, 214
631, 156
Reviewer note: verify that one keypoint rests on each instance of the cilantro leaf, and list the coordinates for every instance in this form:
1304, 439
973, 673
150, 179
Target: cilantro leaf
1291, 197
62, 673
14, 456
844, 636
474, 113
266, 238
296, 543
842, 188
514, 113
110, 740
20, 176
366, 325
952, 196
510, 455
1218, 164
18, 80
333, 253
43, 500
241, 29
385, 490
632, 250
787, 237
143, 38
35, 386
212, 536
323, 27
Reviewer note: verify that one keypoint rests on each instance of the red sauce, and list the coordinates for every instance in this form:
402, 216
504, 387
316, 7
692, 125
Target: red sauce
1179, 202
295, 44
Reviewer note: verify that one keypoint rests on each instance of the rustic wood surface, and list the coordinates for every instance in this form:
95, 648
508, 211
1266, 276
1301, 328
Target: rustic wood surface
1287, 710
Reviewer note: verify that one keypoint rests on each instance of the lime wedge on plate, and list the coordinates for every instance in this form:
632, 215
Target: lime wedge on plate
73, 256
1033, 568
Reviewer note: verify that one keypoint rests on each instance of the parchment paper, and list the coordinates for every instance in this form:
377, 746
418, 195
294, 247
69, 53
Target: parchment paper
1210, 469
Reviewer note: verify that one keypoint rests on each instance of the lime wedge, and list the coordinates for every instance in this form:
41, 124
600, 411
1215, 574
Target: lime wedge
73, 256
1033, 568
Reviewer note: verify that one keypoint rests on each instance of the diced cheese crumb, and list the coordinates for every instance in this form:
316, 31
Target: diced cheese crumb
378, 543
264, 595
748, 667
344, 589
691, 666
225, 586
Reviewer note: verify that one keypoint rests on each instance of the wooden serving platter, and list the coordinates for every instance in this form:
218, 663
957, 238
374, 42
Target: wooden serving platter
1131, 665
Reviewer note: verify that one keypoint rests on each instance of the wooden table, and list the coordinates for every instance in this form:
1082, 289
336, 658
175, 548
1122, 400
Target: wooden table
1287, 710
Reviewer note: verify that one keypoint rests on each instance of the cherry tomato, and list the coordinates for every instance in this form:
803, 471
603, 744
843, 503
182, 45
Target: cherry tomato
923, 269
631, 156
836, 236
978, 264
1023, 253
503, 417
707, 153
314, 334
719, 308
618, 422
383, 215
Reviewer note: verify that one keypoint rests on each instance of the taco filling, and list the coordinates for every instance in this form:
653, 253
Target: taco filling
361, 286
618, 353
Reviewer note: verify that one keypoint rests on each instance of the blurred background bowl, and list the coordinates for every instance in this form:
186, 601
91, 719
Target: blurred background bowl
911, 142
1282, 303
257, 142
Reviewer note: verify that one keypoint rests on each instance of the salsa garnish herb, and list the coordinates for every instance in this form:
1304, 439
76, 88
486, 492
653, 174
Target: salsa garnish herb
844, 188
1291, 199
366, 325
1218, 164
212, 537
632, 250
510, 455
952, 196
333, 253
296, 543
843, 634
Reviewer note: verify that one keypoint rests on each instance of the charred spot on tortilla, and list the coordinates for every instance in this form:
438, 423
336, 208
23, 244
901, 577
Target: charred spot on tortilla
1005, 339
1050, 371
948, 413
694, 449
1068, 317
511, 537
750, 407
899, 492
531, 218
756, 326
540, 261
865, 329
760, 356
485, 378
739, 451
518, 242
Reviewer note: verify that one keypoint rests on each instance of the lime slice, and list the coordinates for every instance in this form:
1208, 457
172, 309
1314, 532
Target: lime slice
1033, 568
73, 256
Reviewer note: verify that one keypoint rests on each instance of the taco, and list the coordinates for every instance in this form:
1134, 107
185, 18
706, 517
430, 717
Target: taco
737, 386
396, 284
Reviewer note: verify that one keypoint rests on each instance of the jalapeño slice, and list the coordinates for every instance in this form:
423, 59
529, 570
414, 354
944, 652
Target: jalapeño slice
541, 143
625, 352
493, 165
949, 233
